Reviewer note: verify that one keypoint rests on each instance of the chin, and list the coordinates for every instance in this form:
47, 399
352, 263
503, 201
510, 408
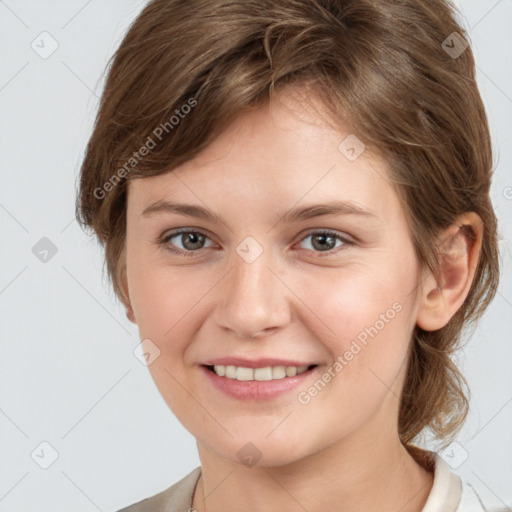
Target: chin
258, 451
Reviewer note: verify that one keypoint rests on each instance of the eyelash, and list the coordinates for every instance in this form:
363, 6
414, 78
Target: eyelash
164, 241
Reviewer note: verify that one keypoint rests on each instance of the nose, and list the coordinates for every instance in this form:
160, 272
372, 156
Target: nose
254, 300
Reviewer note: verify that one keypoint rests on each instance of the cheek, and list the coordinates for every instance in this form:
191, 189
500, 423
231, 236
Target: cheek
364, 313
166, 306
364, 321
166, 301
163, 299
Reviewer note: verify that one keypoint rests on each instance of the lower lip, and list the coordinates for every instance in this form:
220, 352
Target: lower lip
255, 389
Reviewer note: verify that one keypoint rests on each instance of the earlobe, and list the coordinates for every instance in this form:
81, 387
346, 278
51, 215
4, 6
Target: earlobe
123, 281
459, 250
130, 315
129, 310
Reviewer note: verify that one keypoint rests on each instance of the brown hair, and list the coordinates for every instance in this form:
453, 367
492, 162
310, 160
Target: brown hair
185, 69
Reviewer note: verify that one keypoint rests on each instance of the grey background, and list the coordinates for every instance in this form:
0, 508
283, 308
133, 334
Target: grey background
68, 374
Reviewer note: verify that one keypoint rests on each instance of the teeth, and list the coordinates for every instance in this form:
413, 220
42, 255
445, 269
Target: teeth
244, 373
230, 372
278, 372
291, 371
261, 374
221, 370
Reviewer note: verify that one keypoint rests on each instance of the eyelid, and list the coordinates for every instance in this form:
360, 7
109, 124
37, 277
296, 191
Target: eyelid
174, 232
163, 240
346, 238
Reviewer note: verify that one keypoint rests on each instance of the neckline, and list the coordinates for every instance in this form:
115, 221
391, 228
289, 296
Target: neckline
446, 491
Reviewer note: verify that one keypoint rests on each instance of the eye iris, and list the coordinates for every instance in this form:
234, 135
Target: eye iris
324, 245
195, 238
321, 241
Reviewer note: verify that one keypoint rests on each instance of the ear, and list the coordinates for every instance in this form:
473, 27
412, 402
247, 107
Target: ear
459, 249
129, 313
123, 283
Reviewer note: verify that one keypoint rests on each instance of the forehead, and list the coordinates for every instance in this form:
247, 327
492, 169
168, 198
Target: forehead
277, 155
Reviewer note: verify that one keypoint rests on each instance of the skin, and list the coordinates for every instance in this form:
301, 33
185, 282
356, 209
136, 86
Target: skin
341, 450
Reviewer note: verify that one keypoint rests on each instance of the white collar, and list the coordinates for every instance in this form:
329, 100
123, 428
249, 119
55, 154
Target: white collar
446, 490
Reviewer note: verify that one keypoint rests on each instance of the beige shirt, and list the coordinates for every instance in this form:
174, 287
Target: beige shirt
448, 494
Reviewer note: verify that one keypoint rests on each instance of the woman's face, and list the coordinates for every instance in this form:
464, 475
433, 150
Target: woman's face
257, 283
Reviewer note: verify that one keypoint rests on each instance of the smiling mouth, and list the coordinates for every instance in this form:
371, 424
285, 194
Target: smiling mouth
267, 373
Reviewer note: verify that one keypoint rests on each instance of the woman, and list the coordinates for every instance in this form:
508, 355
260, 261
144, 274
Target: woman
294, 202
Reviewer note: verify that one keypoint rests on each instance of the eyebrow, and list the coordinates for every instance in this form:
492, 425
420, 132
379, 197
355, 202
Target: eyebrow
292, 215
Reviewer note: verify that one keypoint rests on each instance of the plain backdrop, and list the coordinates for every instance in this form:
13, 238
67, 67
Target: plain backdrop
82, 426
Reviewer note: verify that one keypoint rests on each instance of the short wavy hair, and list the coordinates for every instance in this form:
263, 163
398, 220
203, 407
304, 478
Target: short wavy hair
399, 73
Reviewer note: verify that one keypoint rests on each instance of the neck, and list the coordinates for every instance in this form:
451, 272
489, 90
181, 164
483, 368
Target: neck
347, 476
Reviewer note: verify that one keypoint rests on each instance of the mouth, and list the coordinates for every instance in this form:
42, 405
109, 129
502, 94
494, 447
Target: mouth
257, 381
261, 374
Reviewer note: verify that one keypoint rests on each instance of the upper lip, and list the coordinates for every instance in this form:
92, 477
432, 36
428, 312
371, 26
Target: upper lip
254, 363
